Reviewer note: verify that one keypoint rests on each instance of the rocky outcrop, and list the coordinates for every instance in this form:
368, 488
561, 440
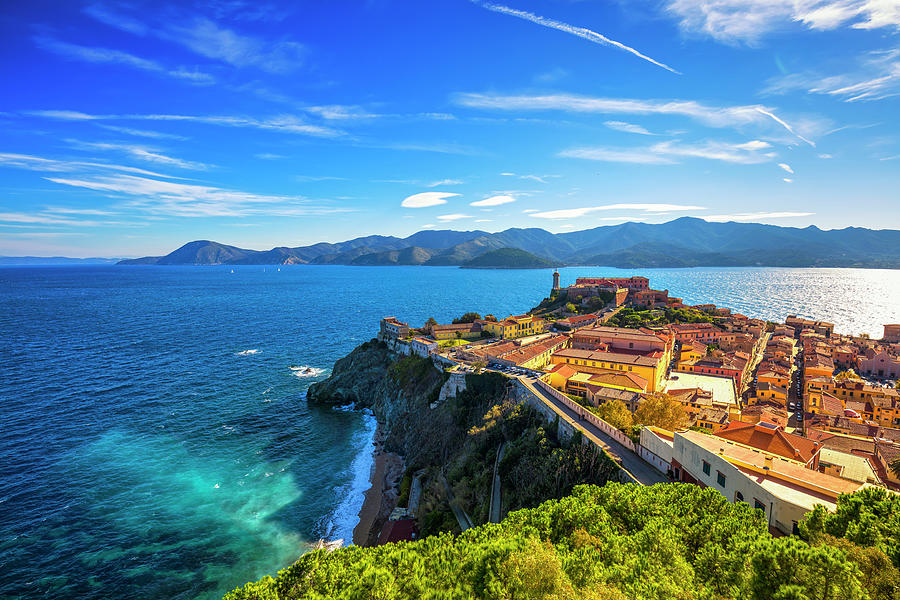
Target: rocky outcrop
397, 389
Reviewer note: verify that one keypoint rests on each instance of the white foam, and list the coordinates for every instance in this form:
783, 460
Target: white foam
306, 371
345, 517
247, 352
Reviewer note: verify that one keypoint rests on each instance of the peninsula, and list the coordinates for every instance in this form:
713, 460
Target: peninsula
696, 420
684, 242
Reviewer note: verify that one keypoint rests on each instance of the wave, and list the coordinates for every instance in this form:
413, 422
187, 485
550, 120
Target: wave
306, 371
247, 352
339, 525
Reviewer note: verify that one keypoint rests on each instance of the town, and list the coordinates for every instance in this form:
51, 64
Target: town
782, 416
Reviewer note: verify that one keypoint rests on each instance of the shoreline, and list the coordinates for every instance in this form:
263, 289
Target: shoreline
381, 497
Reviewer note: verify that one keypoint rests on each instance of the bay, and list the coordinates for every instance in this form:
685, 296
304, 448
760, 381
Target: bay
155, 442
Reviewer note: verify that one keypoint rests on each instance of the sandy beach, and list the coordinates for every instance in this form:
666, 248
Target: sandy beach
381, 497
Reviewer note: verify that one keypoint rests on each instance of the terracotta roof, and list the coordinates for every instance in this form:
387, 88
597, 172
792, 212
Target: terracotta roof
770, 438
623, 379
621, 333
615, 357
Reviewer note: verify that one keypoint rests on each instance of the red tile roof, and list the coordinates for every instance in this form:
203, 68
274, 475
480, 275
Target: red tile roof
770, 438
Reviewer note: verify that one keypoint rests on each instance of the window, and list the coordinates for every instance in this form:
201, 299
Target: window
759, 505
720, 478
738, 497
705, 468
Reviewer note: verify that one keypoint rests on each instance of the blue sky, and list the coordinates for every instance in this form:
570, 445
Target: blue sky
130, 128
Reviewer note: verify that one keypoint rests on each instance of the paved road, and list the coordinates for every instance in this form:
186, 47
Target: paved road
639, 469
461, 517
495, 487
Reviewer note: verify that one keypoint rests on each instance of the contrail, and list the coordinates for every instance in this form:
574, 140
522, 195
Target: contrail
581, 32
785, 125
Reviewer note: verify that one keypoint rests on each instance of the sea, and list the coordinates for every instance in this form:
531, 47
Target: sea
155, 439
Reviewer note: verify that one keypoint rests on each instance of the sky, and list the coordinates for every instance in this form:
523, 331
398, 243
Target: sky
131, 128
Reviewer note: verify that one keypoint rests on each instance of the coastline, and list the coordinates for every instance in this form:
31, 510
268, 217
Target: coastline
381, 497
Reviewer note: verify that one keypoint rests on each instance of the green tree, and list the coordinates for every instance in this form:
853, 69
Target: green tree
431, 322
469, 317
616, 413
661, 410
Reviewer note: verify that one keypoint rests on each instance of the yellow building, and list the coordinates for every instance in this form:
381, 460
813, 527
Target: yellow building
652, 368
514, 326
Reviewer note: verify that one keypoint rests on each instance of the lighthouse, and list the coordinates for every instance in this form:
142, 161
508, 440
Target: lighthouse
555, 279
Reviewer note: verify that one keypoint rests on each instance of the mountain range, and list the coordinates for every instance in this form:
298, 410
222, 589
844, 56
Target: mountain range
684, 242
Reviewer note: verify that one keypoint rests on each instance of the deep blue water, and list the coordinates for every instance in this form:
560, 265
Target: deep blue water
155, 443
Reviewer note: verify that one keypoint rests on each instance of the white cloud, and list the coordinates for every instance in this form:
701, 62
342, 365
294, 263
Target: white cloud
754, 145
208, 39
493, 201
666, 153
268, 156
732, 21
190, 200
146, 154
426, 199
340, 112
445, 182
538, 178
786, 167
116, 20
484, 220
571, 213
530, 210
582, 32
788, 180
825, 156
279, 123
754, 216
428, 226
627, 127
874, 76
49, 165
97, 55
453, 217
142, 132
713, 116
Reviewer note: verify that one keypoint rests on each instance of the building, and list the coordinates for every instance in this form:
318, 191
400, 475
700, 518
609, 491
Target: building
621, 339
772, 438
555, 279
630, 283
891, 333
799, 324
533, 356
393, 329
784, 489
423, 346
652, 368
514, 326
881, 364
460, 331
650, 298
577, 321
702, 332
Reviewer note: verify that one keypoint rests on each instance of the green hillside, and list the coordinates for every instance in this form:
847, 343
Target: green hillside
507, 258
621, 541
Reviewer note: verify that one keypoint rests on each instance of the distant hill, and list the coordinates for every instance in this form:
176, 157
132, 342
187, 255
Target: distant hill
507, 258
55, 260
684, 242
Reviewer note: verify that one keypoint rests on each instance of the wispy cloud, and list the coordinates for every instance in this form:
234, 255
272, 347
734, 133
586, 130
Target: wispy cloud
627, 127
445, 182
756, 216
571, 213
426, 199
667, 152
493, 201
788, 180
538, 178
50, 165
875, 76
279, 123
734, 21
208, 39
453, 217
97, 55
145, 133
145, 154
190, 200
713, 116
119, 21
582, 32
786, 167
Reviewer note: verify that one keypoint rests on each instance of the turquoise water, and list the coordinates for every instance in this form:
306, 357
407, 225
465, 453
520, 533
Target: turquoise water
157, 444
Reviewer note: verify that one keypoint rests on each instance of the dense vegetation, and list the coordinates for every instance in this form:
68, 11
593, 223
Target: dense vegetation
630, 317
577, 305
615, 542
508, 258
